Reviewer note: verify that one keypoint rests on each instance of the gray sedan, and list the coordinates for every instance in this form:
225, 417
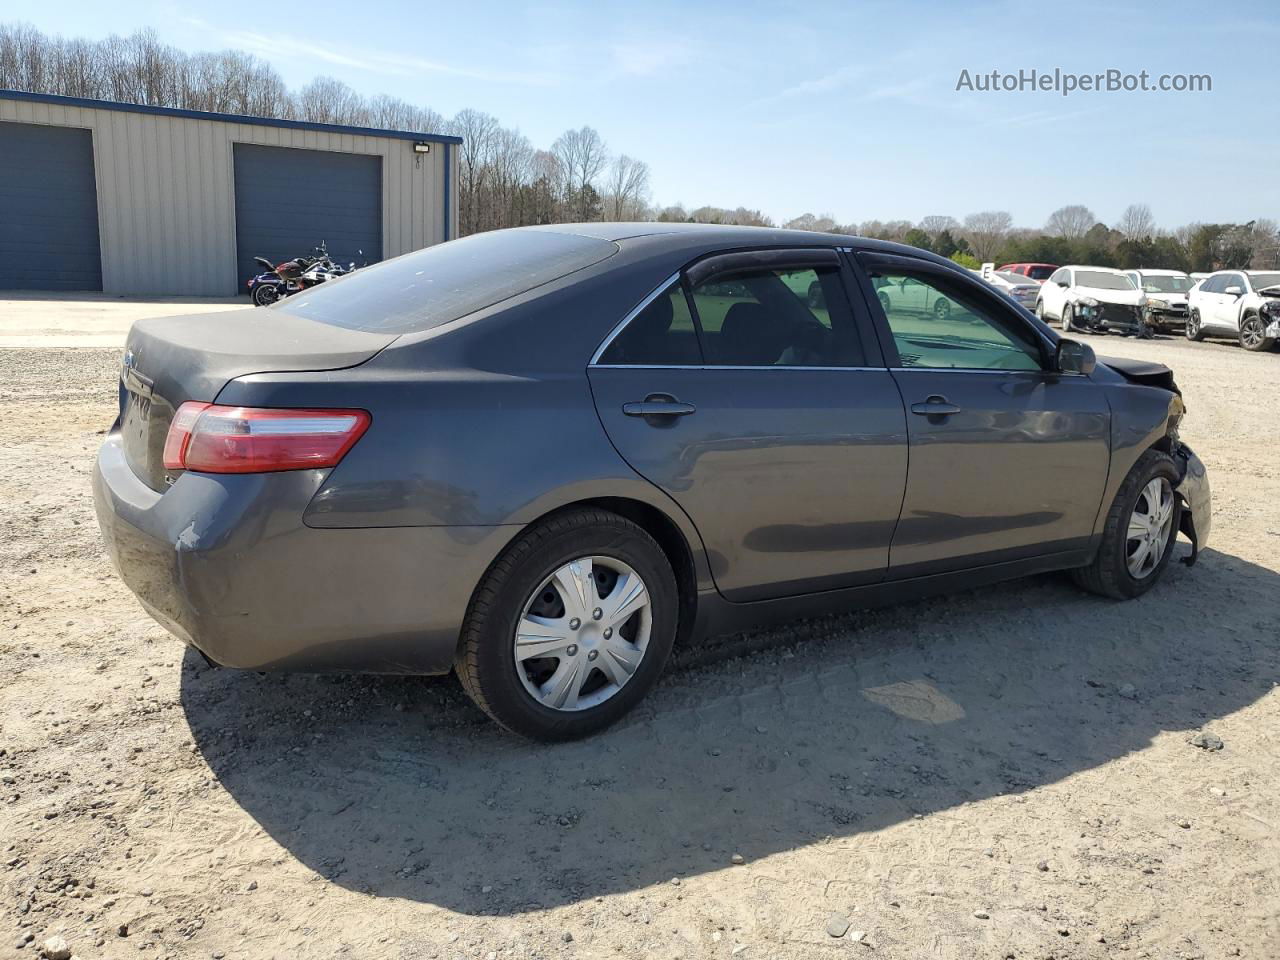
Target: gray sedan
542, 457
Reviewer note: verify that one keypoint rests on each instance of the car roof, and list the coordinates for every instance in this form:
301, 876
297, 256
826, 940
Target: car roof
1085, 266
722, 236
1158, 273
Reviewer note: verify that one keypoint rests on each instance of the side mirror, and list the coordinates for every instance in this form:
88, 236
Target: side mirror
1234, 291
1062, 283
1072, 356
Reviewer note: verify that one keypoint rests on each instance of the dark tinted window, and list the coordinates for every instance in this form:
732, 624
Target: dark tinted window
424, 289
661, 334
942, 323
1038, 273
778, 317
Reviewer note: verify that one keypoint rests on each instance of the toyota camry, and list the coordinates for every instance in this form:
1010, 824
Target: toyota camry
541, 457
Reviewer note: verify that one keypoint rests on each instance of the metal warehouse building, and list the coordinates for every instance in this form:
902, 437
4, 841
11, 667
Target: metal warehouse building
129, 199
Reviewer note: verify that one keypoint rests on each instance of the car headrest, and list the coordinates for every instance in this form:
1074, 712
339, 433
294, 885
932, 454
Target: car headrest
750, 335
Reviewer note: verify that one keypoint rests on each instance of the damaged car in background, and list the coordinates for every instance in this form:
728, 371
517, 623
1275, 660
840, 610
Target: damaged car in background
1241, 304
1094, 300
1166, 292
542, 457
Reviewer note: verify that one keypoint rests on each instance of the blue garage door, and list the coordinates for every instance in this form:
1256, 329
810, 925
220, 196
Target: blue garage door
48, 209
288, 200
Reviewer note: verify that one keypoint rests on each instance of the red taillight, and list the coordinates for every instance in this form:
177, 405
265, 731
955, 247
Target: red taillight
209, 438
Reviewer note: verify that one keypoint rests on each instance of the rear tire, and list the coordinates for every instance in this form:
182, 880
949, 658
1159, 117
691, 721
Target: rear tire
1110, 573
265, 294
507, 688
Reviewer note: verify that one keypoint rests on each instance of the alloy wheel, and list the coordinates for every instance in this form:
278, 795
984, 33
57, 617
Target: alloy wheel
582, 634
1251, 333
1150, 528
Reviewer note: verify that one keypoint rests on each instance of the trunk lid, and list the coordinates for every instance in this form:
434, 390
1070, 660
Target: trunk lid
171, 360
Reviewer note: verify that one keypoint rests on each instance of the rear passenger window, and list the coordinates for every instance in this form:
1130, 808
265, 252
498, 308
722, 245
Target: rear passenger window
777, 317
662, 334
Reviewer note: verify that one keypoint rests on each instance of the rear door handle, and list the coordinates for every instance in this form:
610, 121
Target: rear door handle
935, 406
658, 405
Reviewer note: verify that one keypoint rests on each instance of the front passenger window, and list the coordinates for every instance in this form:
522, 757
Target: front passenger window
940, 323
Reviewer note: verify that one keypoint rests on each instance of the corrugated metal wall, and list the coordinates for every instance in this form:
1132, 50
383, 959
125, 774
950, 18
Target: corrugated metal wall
166, 209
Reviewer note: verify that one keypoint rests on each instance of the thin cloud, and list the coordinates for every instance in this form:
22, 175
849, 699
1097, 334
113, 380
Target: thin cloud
835, 80
372, 61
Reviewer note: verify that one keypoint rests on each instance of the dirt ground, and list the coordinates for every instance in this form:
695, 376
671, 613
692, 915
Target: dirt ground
1001, 773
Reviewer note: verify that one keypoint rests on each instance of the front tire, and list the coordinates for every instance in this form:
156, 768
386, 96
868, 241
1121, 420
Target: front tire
1253, 334
570, 627
1193, 331
1067, 314
1139, 534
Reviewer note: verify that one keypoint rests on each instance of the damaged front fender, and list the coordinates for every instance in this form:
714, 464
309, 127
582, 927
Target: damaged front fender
1193, 488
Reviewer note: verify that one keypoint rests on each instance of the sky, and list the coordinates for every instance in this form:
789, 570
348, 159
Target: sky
844, 108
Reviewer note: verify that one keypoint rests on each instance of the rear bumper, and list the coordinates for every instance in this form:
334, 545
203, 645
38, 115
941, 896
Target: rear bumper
226, 564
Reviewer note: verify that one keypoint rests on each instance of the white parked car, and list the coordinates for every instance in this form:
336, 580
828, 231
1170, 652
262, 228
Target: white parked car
1244, 304
1022, 289
909, 295
1166, 292
1095, 299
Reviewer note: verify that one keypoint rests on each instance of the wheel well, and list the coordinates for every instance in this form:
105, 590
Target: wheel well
669, 537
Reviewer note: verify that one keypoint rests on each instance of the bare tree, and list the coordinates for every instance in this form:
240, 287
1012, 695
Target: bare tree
583, 156
477, 131
626, 188
1071, 222
936, 223
824, 223
1136, 222
985, 232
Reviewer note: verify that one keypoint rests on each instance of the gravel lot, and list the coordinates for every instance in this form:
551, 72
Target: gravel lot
1001, 773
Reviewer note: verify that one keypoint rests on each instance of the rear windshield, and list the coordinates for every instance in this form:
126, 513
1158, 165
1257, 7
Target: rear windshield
1040, 273
429, 287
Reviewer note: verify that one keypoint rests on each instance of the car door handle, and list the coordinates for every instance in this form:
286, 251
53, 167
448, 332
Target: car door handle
935, 406
658, 405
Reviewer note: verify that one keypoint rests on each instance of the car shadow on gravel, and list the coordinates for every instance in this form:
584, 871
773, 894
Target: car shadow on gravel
753, 745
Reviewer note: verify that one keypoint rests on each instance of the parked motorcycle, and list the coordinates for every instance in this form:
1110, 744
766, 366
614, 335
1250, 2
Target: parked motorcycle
269, 286
292, 276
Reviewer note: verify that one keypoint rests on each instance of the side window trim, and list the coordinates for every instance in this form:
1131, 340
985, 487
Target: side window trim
769, 258
868, 260
635, 311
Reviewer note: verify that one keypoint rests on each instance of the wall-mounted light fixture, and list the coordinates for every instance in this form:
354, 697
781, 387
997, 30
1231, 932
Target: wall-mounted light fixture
421, 146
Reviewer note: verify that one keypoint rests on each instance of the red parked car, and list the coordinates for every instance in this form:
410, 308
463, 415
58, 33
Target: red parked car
1039, 272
